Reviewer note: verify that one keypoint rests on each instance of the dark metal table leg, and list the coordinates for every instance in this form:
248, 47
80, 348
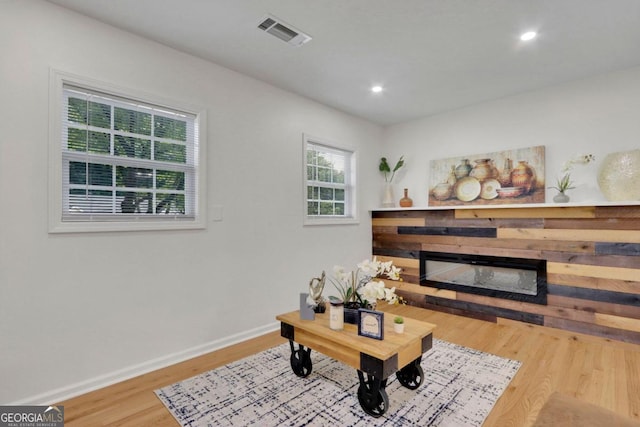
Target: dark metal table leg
300, 360
412, 375
372, 395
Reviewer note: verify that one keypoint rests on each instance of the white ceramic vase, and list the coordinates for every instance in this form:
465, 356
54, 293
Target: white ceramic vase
619, 176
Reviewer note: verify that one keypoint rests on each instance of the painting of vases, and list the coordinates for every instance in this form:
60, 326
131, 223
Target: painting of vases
505, 177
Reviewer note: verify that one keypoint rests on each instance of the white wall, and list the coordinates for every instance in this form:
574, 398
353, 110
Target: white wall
80, 310
598, 115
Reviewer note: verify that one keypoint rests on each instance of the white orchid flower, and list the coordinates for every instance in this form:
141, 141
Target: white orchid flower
340, 274
368, 268
360, 281
385, 266
581, 159
368, 292
394, 273
364, 264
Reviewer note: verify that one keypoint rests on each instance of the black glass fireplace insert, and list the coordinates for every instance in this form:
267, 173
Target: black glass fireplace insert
518, 279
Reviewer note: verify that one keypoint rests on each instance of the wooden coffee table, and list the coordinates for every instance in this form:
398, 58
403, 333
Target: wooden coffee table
377, 359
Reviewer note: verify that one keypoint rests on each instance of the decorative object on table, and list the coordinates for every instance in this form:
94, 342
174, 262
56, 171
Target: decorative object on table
398, 324
336, 314
462, 386
565, 183
306, 308
619, 176
388, 200
316, 286
357, 289
478, 181
371, 324
406, 201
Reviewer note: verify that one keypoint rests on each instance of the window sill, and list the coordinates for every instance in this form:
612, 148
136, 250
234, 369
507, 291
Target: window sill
330, 221
113, 226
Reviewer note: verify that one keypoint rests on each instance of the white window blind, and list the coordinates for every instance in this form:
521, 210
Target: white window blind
123, 159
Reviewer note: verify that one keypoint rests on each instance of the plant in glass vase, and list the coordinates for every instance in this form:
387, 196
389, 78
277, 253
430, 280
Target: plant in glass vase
386, 169
357, 289
387, 197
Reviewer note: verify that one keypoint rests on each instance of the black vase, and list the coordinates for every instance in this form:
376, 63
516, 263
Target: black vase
351, 315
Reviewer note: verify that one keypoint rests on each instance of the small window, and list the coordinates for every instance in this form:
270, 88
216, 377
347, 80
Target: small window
123, 162
329, 183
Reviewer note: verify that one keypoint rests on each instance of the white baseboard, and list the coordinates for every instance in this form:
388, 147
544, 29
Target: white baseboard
73, 390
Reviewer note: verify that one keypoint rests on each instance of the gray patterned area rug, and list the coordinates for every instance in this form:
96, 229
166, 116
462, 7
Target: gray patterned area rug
461, 386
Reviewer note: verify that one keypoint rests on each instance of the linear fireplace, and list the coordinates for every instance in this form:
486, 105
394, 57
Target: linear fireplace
519, 279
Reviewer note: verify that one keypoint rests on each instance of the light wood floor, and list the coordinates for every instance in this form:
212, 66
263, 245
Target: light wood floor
598, 371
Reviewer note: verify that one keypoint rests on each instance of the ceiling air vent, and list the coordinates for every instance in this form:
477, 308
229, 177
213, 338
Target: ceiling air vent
285, 32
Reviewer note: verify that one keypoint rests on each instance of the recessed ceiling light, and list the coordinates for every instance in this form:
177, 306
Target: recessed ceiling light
529, 35
376, 89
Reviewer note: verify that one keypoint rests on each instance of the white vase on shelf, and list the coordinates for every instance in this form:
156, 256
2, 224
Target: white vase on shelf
388, 201
561, 197
619, 176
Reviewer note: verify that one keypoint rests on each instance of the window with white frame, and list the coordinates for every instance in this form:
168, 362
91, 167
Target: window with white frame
124, 159
329, 183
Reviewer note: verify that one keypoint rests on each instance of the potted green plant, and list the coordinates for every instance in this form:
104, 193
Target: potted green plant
358, 289
388, 200
386, 169
563, 184
398, 324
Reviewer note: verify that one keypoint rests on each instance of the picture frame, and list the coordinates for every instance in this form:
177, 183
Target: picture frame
371, 324
515, 176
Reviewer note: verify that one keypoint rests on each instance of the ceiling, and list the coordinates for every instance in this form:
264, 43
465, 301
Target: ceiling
430, 56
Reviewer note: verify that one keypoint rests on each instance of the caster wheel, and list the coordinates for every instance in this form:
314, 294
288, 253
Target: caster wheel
411, 376
301, 363
373, 403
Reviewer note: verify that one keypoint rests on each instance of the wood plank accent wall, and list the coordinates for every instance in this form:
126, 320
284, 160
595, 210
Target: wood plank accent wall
592, 253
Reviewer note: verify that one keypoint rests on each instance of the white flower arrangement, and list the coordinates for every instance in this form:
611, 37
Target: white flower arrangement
358, 286
582, 159
374, 291
564, 183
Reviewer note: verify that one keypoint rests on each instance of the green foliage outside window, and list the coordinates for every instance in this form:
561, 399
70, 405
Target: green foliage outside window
324, 200
135, 134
